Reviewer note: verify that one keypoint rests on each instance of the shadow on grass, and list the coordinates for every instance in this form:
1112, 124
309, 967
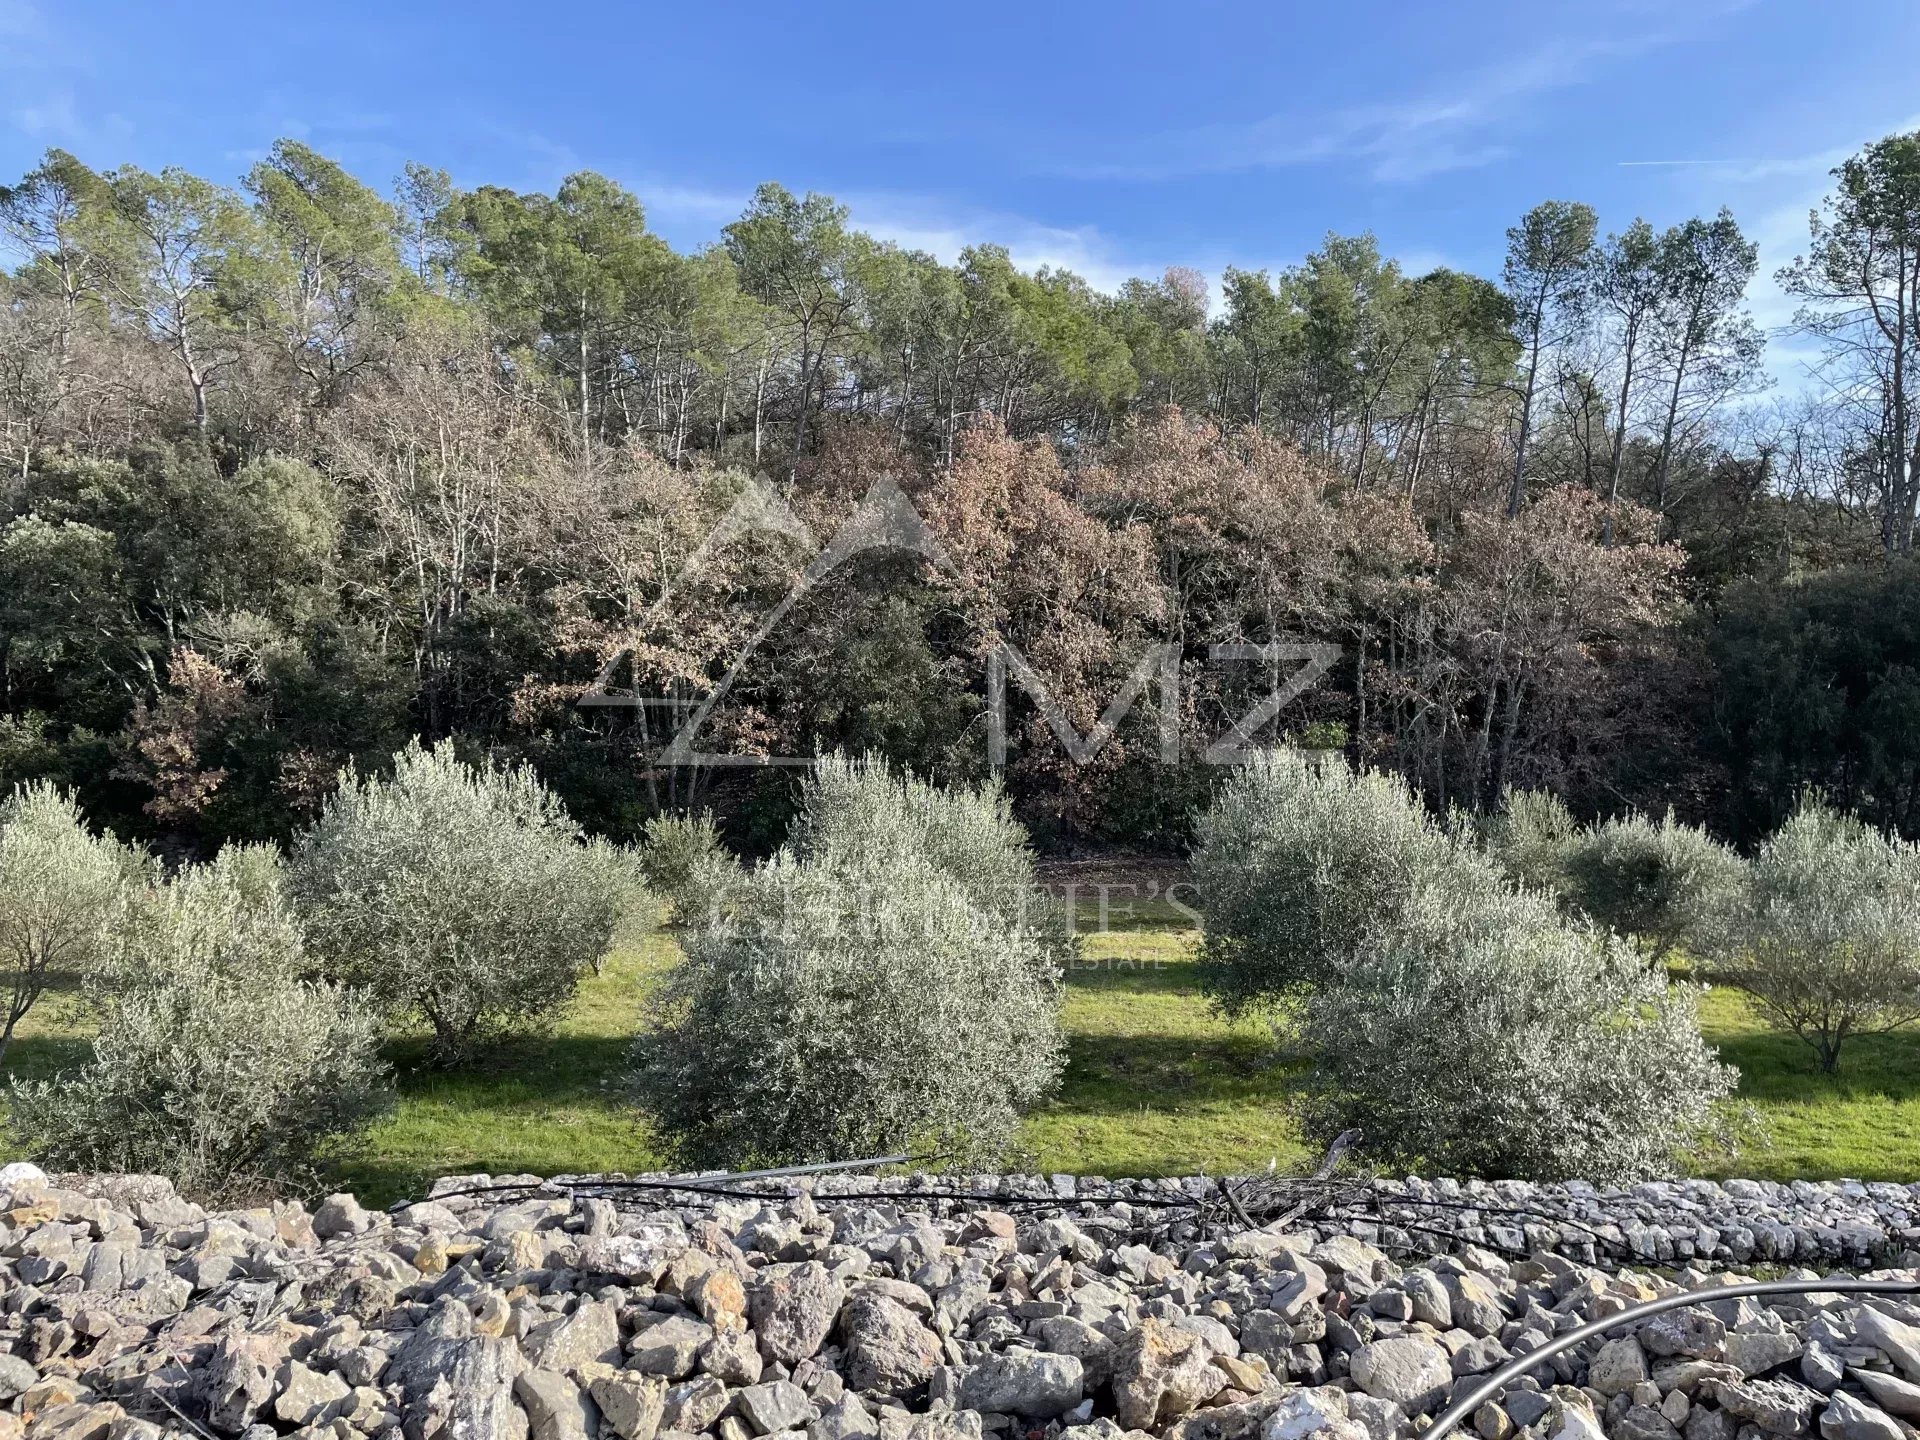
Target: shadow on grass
41, 1057
1151, 976
1127, 915
1116, 1075
1776, 1066
526, 1070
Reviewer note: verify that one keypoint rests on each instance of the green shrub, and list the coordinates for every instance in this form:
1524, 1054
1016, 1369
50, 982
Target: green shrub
459, 893
215, 1063
1493, 1039
1460, 1023
636, 908
687, 864
858, 811
1828, 933
1659, 883
1300, 863
1532, 839
64, 894
877, 987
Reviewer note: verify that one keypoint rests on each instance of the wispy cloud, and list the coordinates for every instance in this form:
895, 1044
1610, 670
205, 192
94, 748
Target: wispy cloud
691, 204
1773, 198
20, 20
1449, 129
916, 222
37, 68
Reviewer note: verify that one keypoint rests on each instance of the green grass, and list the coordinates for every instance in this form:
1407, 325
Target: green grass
1156, 1084
1862, 1123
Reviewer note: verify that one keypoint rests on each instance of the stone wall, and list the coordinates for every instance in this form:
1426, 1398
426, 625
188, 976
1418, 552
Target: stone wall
855, 1309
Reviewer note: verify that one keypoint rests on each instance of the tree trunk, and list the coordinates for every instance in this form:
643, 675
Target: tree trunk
1619, 433
1666, 434
1518, 494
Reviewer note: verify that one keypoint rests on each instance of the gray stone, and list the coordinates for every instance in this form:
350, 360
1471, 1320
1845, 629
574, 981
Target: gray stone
1412, 1372
1755, 1354
1784, 1407
888, 1350
472, 1396
1476, 1357
732, 1358
1304, 1413
1847, 1418
1064, 1335
794, 1313
641, 1258
557, 1408
1028, 1383
340, 1215
775, 1406
590, 1334
1643, 1422
1900, 1342
847, 1419
15, 1375
1160, 1374
669, 1347
630, 1403
1695, 1334
1617, 1366
239, 1380
1704, 1422
1431, 1303
1821, 1368
1474, 1303
1890, 1392
306, 1396
693, 1405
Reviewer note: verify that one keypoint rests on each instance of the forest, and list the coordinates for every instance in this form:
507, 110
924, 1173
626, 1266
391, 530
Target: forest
296, 471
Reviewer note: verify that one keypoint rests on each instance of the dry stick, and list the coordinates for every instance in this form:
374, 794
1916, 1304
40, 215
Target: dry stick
1342, 1142
186, 1420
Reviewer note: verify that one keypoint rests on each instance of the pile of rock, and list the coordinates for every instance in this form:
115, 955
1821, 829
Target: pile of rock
128, 1312
1735, 1222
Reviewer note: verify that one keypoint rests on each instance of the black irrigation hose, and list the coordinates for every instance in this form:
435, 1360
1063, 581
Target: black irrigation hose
1464, 1405
1505, 1251
691, 1185
720, 1190
1334, 1208
1538, 1216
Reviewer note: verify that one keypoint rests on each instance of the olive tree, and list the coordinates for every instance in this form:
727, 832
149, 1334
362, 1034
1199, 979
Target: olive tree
1828, 937
874, 988
686, 863
459, 893
216, 1061
1659, 883
1495, 1039
1462, 1023
1299, 863
64, 893
1532, 838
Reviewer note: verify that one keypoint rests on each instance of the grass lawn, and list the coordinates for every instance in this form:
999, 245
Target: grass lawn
1156, 1084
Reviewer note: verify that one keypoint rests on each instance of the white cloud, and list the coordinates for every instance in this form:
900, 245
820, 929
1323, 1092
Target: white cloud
919, 223
54, 116
1772, 199
1447, 130
20, 20
691, 203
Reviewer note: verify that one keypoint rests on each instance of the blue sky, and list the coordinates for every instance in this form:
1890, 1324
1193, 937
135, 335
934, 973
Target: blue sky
1115, 138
